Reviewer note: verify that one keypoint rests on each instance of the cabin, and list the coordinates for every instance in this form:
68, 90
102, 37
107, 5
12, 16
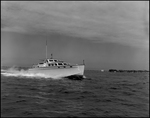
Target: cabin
53, 63
51, 60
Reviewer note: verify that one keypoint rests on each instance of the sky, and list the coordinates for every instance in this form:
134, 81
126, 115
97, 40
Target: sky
106, 34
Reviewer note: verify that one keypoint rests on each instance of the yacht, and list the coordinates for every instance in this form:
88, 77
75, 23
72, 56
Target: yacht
55, 68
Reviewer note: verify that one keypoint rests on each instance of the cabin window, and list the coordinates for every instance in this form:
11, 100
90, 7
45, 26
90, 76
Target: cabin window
65, 64
55, 60
49, 64
55, 64
60, 64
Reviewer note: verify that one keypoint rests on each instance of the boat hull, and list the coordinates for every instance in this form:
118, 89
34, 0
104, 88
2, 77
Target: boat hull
56, 72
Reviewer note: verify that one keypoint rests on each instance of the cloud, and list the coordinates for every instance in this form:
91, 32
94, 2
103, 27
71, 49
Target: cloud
117, 22
14, 29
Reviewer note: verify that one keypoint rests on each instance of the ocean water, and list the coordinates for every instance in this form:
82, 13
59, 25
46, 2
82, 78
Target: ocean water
100, 94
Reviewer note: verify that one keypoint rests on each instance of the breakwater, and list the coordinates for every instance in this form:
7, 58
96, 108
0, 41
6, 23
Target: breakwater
115, 70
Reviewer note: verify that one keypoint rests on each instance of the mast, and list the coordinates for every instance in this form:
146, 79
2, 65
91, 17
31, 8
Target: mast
83, 62
51, 56
46, 49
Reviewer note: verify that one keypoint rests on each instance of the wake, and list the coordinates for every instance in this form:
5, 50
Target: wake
15, 72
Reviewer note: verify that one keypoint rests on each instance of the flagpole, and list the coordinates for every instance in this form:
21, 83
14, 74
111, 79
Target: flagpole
46, 49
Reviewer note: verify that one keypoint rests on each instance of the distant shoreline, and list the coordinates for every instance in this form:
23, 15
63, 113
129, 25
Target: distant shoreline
115, 70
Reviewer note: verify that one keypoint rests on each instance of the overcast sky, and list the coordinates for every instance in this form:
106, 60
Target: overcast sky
105, 34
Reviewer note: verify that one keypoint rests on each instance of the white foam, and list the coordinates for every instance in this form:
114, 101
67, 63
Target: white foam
23, 73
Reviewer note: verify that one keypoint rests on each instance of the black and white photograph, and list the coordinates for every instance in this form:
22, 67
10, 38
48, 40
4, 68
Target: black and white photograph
74, 58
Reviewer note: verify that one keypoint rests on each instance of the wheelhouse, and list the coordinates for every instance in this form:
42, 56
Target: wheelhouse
53, 63
51, 60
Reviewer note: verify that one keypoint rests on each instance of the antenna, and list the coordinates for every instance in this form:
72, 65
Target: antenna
51, 56
46, 49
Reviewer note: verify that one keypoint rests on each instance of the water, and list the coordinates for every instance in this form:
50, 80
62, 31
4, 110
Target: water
101, 94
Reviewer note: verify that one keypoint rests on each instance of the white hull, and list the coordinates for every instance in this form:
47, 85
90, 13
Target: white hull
56, 72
